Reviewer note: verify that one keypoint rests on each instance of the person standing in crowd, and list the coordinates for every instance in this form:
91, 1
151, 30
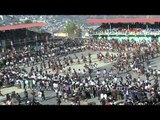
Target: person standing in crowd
39, 95
1, 94
18, 98
59, 101
43, 95
33, 94
8, 97
103, 101
25, 95
13, 95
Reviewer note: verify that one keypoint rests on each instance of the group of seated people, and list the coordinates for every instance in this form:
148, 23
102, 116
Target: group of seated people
136, 31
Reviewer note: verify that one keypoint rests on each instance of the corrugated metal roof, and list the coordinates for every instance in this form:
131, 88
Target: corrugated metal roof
22, 26
124, 20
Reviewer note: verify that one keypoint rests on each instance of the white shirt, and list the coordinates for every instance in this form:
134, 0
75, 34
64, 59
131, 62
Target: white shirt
103, 83
101, 96
81, 84
39, 77
25, 75
33, 76
146, 87
34, 82
59, 93
26, 81
77, 83
17, 81
105, 96
7, 63
127, 92
83, 81
39, 94
72, 71
93, 83
154, 72
55, 85
146, 81
72, 82
149, 85
98, 72
115, 80
86, 84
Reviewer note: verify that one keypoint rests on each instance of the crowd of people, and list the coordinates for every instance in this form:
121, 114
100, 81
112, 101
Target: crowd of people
136, 31
108, 85
128, 29
12, 73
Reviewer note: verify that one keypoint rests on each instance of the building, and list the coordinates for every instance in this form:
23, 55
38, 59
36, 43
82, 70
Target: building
63, 35
18, 36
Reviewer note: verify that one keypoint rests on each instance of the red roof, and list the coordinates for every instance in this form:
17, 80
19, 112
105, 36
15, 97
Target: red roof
124, 20
21, 26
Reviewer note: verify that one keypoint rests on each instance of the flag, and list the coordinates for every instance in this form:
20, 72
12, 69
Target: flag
47, 38
36, 37
26, 33
1, 17
11, 43
2, 50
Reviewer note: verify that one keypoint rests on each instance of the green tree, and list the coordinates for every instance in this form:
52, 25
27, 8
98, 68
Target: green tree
70, 28
78, 32
28, 21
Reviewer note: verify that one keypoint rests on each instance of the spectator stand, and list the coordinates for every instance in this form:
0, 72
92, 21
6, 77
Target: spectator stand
138, 29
